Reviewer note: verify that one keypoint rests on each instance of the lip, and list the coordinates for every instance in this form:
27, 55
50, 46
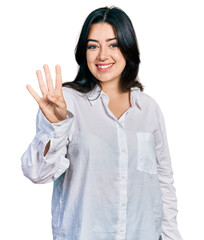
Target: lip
105, 69
102, 64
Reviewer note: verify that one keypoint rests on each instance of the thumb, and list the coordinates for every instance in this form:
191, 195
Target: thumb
50, 97
53, 99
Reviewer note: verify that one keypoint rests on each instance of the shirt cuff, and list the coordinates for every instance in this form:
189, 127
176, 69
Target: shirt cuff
57, 129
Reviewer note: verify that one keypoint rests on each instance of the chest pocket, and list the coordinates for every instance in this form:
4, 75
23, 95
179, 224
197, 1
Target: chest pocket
146, 160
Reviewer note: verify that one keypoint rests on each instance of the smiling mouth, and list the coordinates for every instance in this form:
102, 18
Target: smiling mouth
103, 68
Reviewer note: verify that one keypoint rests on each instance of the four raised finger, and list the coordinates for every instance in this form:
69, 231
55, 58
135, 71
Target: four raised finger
50, 87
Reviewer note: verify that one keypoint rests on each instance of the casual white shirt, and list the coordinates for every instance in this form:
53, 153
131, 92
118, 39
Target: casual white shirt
113, 178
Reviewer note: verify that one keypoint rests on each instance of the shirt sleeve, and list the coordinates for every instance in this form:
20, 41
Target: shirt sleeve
43, 169
165, 174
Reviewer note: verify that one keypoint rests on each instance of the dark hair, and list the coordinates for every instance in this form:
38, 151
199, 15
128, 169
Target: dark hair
127, 42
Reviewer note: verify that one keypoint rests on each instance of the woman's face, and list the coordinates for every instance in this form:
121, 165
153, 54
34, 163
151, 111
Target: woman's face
104, 58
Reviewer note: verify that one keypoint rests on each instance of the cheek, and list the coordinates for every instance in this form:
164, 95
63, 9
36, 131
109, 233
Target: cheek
90, 57
122, 61
87, 58
119, 57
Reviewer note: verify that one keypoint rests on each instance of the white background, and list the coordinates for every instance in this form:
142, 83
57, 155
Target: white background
171, 39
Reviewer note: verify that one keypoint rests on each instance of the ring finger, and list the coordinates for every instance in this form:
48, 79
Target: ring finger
49, 82
41, 83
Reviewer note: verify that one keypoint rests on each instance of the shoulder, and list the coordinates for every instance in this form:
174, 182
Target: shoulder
72, 97
151, 104
68, 91
147, 100
69, 97
152, 108
72, 93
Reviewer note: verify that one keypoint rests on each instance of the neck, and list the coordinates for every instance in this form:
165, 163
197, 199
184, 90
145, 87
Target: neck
111, 89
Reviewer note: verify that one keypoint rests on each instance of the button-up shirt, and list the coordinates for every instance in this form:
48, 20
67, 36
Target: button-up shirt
113, 178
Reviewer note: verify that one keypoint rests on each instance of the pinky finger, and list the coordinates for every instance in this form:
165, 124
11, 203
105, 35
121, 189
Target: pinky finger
33, 93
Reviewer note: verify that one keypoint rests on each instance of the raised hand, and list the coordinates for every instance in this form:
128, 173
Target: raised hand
52, 102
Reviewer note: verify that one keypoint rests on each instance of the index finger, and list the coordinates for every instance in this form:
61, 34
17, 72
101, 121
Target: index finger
58, 83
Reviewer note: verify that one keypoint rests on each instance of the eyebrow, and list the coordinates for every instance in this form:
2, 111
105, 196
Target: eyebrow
107, 40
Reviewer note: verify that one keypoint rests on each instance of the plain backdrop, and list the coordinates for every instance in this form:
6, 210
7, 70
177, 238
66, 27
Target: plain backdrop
171, 39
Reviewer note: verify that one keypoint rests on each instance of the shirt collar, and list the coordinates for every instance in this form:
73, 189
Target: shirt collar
96, 93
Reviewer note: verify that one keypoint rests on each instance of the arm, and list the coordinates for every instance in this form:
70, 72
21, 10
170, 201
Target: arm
165, 174
42, 169
46, 148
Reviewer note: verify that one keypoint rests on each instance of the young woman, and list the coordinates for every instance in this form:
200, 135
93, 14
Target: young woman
103, 143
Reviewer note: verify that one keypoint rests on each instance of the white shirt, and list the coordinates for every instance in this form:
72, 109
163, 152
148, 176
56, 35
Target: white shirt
113, 179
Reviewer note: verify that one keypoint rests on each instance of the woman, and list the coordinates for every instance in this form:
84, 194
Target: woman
103, 142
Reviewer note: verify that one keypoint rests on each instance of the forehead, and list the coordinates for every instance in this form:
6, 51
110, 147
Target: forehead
101, 30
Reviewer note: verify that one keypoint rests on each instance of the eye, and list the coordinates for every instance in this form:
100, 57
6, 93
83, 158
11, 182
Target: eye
91, 47
114, 45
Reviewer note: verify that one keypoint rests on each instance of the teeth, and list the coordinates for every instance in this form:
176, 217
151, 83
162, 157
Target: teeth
104, 66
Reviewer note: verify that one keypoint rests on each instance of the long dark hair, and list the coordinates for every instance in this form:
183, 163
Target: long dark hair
127, 43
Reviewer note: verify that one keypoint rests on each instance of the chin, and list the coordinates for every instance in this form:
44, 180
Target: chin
104, 78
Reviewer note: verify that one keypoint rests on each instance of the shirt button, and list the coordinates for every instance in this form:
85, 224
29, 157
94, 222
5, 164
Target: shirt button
122, 230
122, 150
123, 177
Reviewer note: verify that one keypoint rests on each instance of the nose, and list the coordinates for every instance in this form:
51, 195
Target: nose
103, 53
